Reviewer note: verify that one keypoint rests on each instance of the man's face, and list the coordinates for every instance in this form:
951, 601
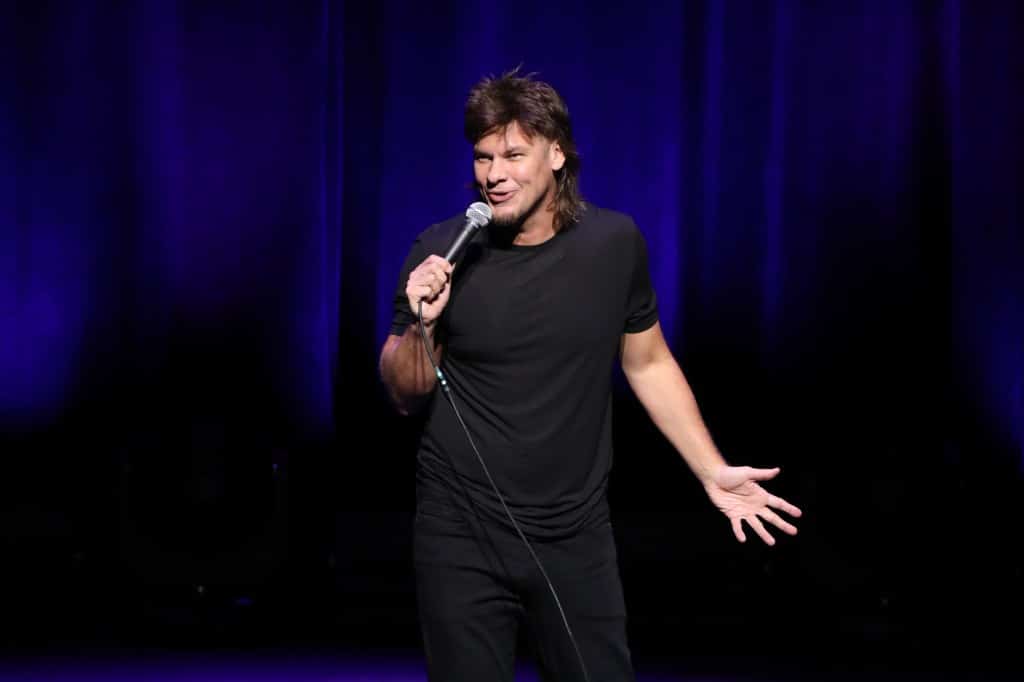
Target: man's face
516, 173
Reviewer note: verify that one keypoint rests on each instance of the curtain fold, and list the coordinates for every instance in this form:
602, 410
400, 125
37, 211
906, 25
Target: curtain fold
203, 208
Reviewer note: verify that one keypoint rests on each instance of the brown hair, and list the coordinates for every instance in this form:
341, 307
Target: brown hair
495, 103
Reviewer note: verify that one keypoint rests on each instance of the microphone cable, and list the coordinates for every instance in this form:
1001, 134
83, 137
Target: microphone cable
451, 400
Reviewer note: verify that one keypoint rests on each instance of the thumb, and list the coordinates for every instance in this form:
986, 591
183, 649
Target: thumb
761, 474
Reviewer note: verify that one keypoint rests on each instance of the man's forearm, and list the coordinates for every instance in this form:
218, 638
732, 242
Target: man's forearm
665, 394
406, 369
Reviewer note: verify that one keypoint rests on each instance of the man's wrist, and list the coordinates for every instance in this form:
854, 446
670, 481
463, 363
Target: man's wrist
709, 472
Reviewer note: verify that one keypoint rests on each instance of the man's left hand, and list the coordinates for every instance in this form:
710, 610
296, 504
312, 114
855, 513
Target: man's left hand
737, 494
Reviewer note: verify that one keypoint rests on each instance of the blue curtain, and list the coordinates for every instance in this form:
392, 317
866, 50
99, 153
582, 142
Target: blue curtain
204, 207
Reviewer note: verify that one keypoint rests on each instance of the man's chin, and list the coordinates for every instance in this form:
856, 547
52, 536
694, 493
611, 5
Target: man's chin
505, 219
503, 230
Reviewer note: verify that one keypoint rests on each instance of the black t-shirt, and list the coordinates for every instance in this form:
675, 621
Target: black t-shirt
530, 335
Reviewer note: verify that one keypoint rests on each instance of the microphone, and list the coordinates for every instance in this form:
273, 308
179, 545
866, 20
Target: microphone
477, 215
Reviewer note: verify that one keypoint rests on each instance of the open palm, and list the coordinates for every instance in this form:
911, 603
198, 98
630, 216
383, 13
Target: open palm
737, 494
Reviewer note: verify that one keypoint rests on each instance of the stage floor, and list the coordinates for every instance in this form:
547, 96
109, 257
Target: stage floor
399, 666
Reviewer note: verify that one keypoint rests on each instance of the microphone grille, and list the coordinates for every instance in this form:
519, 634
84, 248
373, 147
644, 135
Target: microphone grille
479, 213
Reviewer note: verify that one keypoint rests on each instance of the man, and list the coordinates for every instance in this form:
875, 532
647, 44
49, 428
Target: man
526, 328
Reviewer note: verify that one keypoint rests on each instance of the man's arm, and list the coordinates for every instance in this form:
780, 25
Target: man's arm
659, 384
404, 365
406, 370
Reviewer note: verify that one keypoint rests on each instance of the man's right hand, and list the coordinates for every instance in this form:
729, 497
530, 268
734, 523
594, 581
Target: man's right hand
429, 282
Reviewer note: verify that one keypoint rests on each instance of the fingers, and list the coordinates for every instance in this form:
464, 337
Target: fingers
421, 293
434, 258
759, 528
433, 270
782, 505
737, 529
777, 521
428, 280
435, 262
434, 278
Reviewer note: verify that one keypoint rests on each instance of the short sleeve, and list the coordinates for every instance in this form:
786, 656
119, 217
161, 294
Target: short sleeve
642, 303
402, 316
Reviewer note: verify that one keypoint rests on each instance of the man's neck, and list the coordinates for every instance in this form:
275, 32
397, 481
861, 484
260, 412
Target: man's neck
539, 228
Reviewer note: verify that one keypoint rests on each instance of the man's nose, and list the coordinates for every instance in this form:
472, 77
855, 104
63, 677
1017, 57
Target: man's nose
496, 173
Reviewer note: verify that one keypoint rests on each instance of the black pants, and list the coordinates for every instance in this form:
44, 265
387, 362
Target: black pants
476, 586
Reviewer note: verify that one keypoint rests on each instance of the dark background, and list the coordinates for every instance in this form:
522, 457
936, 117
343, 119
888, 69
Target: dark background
203, 210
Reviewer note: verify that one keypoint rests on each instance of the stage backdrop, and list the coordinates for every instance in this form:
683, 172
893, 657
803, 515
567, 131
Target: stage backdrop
204, 207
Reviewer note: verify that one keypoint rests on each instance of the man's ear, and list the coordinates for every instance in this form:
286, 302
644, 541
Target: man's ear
557, 156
